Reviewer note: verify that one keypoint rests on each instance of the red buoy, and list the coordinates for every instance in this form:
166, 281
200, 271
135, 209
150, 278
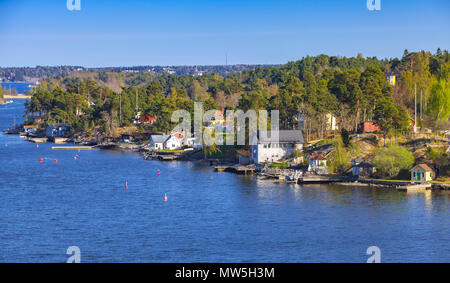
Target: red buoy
56, 160
159, 172
165, 197
41, 159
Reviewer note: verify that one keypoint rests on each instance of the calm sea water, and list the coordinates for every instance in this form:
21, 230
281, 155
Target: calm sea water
20, 87
209, 217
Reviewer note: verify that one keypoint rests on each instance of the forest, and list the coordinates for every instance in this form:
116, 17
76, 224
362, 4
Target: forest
353, 90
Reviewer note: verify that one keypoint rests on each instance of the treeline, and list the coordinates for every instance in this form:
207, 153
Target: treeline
353, 90
222, 70
2, 98
17, 74
27, 74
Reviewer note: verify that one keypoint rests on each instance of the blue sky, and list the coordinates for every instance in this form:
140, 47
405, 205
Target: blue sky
182, 32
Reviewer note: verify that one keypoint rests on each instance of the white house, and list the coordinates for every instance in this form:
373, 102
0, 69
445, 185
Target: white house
167, 142
157, 141
272, 149
173, 143
317, 162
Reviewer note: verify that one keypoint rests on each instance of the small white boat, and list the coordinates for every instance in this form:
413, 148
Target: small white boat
9, 101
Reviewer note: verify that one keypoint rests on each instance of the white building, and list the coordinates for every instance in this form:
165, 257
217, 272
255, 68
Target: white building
169, 142
270, 149
331, 122
173, 143
157, 141
317, 164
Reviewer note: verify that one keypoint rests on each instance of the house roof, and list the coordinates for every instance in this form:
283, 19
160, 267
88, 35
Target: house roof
58, 125
317, 157
421, 167
172, 137
365, 165
30, 127
159, 138
284, 136
359, 162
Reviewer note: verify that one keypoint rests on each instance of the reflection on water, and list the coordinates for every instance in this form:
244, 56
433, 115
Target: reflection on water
219, 217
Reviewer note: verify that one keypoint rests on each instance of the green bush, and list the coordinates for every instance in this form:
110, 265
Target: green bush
389, 161
339, 161
281, 165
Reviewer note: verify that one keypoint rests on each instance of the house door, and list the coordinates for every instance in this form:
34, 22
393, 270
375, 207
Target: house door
418, 176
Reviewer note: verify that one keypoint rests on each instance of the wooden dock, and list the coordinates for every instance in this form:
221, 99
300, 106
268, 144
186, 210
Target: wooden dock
415, 188
237, 169
317, 179
165, 157
37, 140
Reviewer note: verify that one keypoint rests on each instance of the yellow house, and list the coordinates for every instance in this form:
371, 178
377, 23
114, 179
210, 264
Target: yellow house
391, 80
421, 172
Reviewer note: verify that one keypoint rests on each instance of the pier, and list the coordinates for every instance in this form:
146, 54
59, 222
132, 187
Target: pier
237, 169
415, 188
321, 179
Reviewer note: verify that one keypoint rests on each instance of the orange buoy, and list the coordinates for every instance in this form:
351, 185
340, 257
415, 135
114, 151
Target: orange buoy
165, 197
41, 159
78, 151
126, 185
56, 160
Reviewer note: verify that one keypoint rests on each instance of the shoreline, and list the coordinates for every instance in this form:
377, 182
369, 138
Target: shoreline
236, 168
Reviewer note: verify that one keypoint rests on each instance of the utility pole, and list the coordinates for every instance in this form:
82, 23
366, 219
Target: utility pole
137, 104
421, 104
120, 108
415, 109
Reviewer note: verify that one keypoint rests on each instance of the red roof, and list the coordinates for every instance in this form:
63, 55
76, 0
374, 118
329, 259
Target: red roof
318, 157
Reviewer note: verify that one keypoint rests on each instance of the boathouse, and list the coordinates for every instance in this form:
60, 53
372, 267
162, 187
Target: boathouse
362, 169
268, 147
421, 172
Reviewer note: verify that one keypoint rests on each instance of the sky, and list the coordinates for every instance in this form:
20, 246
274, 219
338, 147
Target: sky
205, 32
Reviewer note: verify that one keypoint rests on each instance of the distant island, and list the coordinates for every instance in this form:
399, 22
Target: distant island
33, 74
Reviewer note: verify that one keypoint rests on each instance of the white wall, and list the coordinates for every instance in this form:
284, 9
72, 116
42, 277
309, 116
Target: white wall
275, 152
